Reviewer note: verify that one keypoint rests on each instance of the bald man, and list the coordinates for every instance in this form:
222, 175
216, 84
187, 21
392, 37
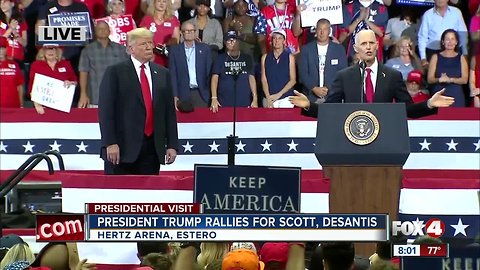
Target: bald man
382, 84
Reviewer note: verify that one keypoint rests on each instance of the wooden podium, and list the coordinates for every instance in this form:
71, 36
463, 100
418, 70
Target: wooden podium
362, 148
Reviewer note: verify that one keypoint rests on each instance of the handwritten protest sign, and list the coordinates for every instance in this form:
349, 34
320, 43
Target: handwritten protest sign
119, 27
318, 9
52, 93
71, 19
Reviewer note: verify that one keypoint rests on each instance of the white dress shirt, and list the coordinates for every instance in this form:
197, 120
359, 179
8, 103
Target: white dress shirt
373, 75
137, 65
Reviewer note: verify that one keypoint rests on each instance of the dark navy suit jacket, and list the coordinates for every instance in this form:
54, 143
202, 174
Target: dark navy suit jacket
336, 60
389, 88
177, 64
121, 111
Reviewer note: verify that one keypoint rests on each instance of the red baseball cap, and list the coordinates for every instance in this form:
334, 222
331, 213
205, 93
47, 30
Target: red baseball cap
274, 252
415, 76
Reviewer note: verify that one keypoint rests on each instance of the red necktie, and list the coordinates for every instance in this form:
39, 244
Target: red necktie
147, 98
369, 86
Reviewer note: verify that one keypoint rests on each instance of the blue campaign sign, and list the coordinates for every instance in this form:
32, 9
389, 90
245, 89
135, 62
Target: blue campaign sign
247, 189
71, 19
461, 258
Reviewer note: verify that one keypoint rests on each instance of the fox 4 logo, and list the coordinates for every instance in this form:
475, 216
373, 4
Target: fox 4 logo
433, 228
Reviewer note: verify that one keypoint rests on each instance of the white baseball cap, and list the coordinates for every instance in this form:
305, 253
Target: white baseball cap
279, 31
243, 245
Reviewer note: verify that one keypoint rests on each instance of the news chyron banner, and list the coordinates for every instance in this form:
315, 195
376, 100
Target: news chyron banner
184, 222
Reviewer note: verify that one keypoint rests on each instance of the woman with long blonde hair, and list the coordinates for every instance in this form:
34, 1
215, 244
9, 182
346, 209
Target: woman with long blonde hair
209, 252
404, 58
19, 252
165, 27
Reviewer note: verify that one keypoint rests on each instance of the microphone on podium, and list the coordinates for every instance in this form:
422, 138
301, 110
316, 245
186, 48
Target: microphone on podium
363, 66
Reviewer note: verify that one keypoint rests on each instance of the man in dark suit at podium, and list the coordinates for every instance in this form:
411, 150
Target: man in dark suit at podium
137, 116
381, 84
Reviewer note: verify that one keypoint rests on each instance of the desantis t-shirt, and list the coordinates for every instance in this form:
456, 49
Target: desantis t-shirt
224, 67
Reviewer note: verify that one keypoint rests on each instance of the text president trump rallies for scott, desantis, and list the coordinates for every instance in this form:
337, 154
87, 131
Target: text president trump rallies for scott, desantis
382, 84
137, 117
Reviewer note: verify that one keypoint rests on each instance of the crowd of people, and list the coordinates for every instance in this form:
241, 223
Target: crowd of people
247, 53
153, 255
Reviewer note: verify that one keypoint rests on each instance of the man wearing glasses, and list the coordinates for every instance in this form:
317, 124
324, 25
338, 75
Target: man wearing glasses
190, 65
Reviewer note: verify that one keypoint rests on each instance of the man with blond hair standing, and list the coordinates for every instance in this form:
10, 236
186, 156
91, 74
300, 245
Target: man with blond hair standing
137, 117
